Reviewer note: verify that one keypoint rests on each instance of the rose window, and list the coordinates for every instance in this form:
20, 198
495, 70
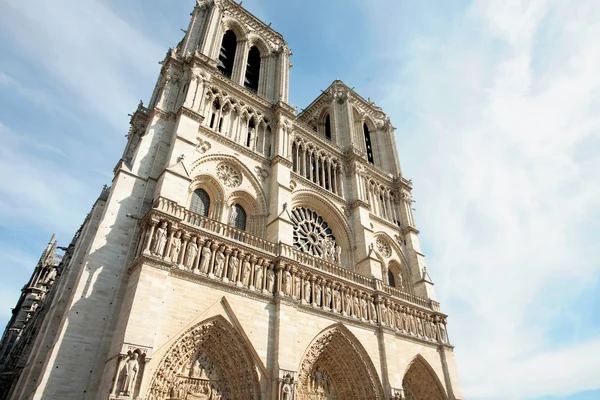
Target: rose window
312, 235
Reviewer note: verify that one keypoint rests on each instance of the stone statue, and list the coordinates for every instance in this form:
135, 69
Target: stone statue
373, 311
258, 275
400, 281
327, 297
287, 283
176, 247
338, 300
270, 280
338, 254
234, 264
190, 253
286, 388
205, 263
232, 214
219, 263
348, 304
297, 286
307, 291
356, 307
160, 240
398, 319
197, 369
365, 310
317, 294
130, 373
384, 316
247, 268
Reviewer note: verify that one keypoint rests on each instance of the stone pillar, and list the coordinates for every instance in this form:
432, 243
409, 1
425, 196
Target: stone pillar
150, 237
186, 239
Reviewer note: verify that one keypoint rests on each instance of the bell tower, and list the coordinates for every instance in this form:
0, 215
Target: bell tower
244, 251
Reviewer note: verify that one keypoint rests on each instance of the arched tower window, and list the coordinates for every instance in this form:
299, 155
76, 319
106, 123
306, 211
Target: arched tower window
200, 202
368, 143
328, 127
391, 279
227, 53
252, 69
237, 217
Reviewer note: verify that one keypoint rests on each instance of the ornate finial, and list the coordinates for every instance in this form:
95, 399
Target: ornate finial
284, 206
181, 157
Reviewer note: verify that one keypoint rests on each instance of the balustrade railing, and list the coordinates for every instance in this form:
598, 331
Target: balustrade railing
171, 208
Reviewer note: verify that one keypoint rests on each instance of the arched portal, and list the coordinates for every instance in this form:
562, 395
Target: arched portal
421, 383
209, 361
336, 366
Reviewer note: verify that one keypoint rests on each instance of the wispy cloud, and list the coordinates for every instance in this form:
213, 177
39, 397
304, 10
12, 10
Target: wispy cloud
506, 200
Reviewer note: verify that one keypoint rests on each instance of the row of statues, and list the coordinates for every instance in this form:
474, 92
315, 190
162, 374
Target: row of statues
203, 256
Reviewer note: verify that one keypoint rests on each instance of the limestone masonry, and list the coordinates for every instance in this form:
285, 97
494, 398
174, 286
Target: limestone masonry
243, 251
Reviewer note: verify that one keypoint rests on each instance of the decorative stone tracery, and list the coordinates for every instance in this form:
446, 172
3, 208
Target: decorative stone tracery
313, 235
336, 366
383, 247
209, 361
229, 175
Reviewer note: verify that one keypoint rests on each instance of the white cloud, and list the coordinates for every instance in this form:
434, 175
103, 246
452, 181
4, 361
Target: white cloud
505, 189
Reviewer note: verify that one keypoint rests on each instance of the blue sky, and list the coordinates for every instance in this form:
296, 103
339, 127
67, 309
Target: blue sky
497, 109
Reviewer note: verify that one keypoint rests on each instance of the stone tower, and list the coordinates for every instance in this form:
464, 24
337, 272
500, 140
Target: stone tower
244, 251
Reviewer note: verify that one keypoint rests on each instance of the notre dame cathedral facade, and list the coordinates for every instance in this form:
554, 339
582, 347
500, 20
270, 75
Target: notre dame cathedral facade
242, 251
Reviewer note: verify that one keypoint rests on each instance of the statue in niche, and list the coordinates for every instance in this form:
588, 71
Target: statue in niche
419, 325
318, 294
160, 239
373, 311
348, 303
287, 282
434, 333
190, 253
328, 252
287, 387
356, 307
405, 321
365, 310
384, 314
398, 319
234, 264
197, 369
443, 335
205, 264
427, 328
130, 373
337, 298
413, 327
246, 269
270, 280
176, 247
258, 274
298, 285
327, 297
219, 262
307, 291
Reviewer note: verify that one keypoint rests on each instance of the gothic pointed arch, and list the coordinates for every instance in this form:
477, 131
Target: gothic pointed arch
420, 381
214, 191
209, 360
337, 366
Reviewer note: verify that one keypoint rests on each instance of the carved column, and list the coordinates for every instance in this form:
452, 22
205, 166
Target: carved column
167, 256
199, 243
150, 237
186, 239
293, 293
211, 268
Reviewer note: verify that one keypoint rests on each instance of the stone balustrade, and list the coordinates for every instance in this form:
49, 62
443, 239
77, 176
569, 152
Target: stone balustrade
194, 244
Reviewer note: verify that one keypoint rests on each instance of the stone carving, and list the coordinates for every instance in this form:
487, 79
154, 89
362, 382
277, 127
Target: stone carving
317, 300
270, 280
232, 214
234, 264
130, 372
205, 263
297, 287
383, 247
327, 297
258, 275
209, 361
338, 300
287, 283
365, 309
229, 175
348, 303
160, 240
203, 146
175, 247
356, 309
373, 311
190, 253
219, 262
312, 235
246, 270
261, 174
287, 387
307, 291
419, 383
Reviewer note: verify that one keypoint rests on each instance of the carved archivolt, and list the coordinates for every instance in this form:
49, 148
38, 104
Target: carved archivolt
420, 382
336, 366
209, 361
